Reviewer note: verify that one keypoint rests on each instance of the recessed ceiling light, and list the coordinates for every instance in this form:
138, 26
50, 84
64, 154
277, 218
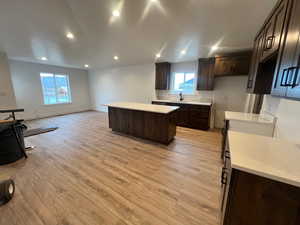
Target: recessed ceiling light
86, 66
44, 58
70, 35
116, 13
158, 55
215, 47
183, 52
116, 58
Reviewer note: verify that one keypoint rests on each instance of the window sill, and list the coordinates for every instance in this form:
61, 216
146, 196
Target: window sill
183, 92
56, 104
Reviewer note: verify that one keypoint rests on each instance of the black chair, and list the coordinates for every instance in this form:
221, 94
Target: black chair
12, 149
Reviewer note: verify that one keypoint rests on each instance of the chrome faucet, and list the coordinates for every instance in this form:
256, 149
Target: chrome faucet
181, 96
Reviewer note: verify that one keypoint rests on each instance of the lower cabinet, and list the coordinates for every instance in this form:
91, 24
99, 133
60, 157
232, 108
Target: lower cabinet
191, 116
249, 199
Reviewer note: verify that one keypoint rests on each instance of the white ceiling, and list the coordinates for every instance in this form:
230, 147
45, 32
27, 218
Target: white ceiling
31, 29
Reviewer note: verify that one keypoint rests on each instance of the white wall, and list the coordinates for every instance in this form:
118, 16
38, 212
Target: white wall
28, 90
130, 83
229, 95
288, 116
7, 96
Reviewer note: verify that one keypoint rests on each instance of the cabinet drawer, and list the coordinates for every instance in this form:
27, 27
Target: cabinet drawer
199, 114
202, 108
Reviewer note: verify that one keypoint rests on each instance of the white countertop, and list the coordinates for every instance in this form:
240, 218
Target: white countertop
143, 107
185, 102
249, 117
265, 156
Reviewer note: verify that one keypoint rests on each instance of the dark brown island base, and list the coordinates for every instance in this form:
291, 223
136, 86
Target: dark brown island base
152, 122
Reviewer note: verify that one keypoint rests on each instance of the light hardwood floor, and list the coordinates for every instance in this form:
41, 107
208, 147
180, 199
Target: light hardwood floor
85, 174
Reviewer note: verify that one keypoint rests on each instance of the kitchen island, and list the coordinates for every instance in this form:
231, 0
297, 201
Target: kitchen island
152, 122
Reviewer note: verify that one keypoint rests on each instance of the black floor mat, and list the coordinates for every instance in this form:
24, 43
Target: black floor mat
33, 132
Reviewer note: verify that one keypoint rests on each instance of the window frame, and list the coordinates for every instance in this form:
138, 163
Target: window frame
68, 87
183, 91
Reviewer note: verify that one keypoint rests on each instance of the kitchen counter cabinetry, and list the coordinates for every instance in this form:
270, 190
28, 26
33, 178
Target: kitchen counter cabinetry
275, 60
152, 122
205, 80
162, 76
268, 48
260, 181
233, 64
190, 115
287, 82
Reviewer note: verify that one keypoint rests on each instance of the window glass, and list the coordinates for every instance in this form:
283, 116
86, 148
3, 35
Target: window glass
184, 82
56, 88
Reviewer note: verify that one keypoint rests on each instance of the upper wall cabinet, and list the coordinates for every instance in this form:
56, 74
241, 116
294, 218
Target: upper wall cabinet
268, 48
273, 30
234, 64
162, 77
205, 79
287, 79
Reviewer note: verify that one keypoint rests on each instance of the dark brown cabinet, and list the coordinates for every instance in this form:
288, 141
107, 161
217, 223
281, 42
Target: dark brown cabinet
205, 79
287, 79
191, 116
273, 30
250, 199
275, 60
162, 75
234, 64
254, 85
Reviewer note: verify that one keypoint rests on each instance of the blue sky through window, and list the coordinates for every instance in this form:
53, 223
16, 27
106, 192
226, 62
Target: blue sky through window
184, 82
56, 88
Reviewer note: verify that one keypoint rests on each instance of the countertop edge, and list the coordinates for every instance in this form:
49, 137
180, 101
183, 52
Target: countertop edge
186, 103
266, 175
143, 110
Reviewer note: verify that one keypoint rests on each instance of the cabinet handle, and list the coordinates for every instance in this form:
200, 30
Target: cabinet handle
224, 177
282, 78
227, 154
285, 82
249, 85
269, 42
295, 84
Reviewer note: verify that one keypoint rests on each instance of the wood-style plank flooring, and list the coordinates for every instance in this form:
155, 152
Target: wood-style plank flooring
85, 174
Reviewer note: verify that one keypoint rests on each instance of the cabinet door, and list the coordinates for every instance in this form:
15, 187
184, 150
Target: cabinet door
274, 30
183, 116
293, 78
256, 56
232, 65
162, 78
286, 63
205, 80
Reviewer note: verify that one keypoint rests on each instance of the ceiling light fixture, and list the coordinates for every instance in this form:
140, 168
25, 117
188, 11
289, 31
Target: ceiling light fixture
158, 55
44, 58
116, 13
116, 58
70, 35
86, 66
214, 48
183, 52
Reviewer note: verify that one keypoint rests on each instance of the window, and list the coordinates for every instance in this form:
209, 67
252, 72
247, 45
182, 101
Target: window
184, 82
56, 88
